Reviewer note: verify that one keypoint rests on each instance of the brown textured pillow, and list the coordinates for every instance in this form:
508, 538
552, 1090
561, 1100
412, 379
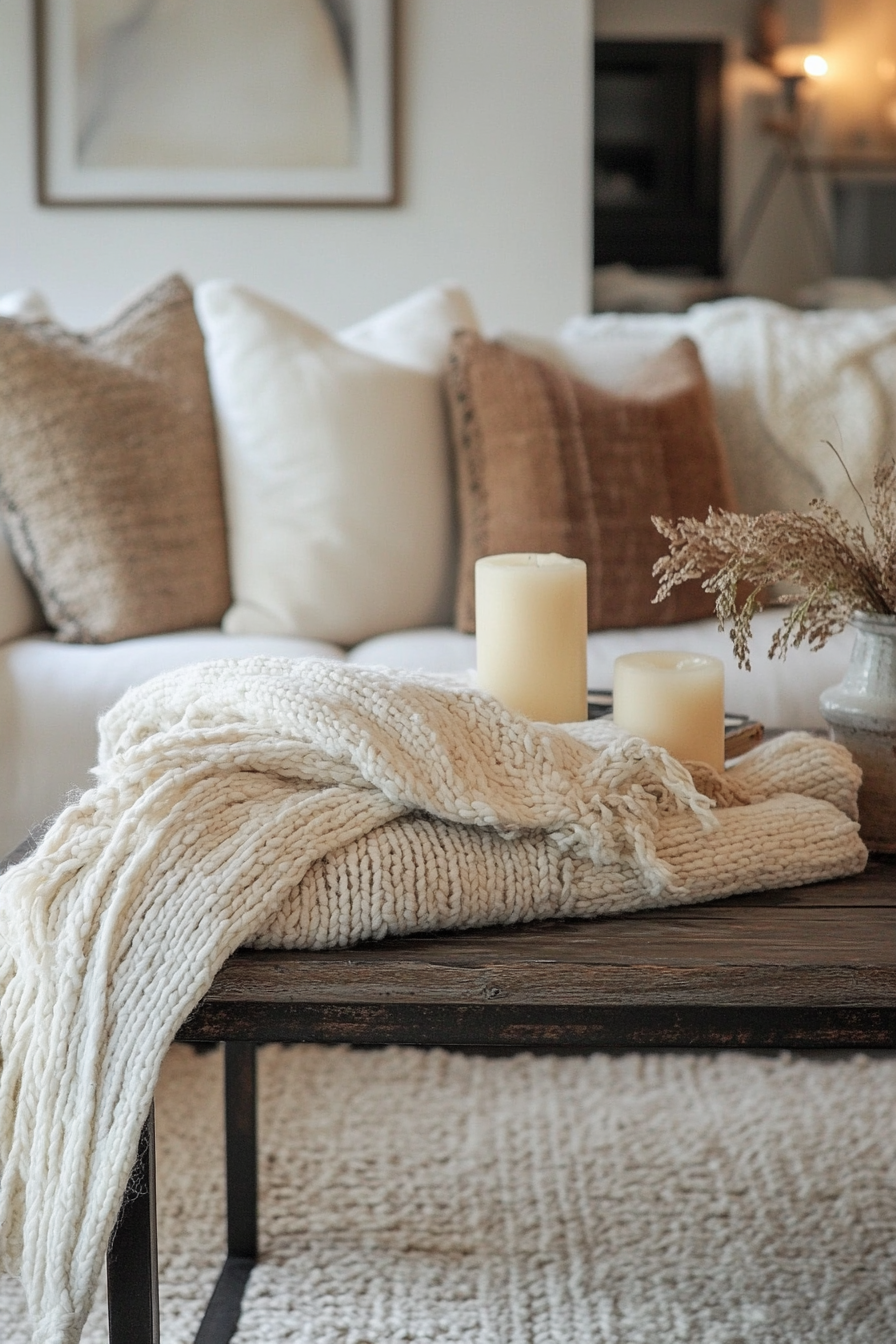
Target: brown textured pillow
109, 480
547, 462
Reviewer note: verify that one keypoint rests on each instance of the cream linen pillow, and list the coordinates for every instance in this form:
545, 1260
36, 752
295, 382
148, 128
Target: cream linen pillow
20, 612
109, 482
336, 463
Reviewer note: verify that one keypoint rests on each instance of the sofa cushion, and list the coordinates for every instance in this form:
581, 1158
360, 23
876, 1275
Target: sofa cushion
779, 694
783, 382
109, 480
548, 462
51, 696
336, 463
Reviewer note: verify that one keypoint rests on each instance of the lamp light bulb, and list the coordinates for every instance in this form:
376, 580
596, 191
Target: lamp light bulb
815, 66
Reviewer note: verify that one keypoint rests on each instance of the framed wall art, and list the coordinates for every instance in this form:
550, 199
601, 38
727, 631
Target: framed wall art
215, 102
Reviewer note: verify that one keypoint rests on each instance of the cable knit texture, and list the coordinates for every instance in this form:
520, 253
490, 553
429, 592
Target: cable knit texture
312, 804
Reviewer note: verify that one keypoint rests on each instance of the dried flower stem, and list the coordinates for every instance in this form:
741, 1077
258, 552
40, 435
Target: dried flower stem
831, 566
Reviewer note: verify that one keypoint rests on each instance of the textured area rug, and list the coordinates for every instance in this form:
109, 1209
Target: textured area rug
426, 1198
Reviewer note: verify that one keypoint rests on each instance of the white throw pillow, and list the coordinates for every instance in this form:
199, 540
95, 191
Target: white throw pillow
336, 463
20, 612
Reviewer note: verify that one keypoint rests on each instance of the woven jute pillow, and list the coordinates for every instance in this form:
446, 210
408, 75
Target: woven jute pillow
548, 462
109, 479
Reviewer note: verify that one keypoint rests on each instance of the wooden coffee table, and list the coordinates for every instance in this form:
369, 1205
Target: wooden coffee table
803, 968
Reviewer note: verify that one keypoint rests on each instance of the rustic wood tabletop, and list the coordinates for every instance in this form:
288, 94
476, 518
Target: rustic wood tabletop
810, 966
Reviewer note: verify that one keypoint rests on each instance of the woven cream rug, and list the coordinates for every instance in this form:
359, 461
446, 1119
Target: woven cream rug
427, 1198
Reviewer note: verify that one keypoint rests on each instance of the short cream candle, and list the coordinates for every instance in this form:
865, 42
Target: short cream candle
674, 700
531, 634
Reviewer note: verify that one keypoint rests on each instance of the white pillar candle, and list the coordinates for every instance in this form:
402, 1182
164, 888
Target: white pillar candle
674, 700
531, 634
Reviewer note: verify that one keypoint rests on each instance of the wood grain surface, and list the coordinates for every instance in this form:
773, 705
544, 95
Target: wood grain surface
832, 943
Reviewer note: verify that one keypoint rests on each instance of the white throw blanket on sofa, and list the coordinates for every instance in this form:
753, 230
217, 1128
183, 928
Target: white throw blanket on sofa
228, 798
782, 381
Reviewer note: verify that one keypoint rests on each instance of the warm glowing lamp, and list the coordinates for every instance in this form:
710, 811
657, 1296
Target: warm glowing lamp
795, 60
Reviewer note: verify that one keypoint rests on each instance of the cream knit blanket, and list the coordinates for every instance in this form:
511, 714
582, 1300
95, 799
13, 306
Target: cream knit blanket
311, 804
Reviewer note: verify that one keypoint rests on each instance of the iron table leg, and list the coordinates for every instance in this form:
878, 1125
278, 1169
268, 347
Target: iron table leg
223, 1311
132, 1266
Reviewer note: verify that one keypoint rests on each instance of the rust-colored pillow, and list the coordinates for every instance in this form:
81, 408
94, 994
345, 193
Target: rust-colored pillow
547, 462
109, 481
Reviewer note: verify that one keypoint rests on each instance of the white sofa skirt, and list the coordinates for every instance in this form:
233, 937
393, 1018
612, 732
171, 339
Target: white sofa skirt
52, 694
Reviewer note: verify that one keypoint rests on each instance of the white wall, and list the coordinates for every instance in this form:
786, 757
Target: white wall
495, 151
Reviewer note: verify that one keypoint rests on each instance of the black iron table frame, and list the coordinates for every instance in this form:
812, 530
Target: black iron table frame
132, 1262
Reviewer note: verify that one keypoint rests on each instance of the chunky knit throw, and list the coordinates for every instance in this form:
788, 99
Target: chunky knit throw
312, 804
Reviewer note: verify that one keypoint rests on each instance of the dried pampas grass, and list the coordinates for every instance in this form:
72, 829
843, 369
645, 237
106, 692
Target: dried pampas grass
833, 567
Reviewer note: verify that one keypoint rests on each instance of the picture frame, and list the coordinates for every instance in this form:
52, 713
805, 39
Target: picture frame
146, 103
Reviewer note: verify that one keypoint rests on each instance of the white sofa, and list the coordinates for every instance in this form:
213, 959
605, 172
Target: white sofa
51, 694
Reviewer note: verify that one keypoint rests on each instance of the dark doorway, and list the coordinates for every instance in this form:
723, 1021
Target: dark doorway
657, 142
